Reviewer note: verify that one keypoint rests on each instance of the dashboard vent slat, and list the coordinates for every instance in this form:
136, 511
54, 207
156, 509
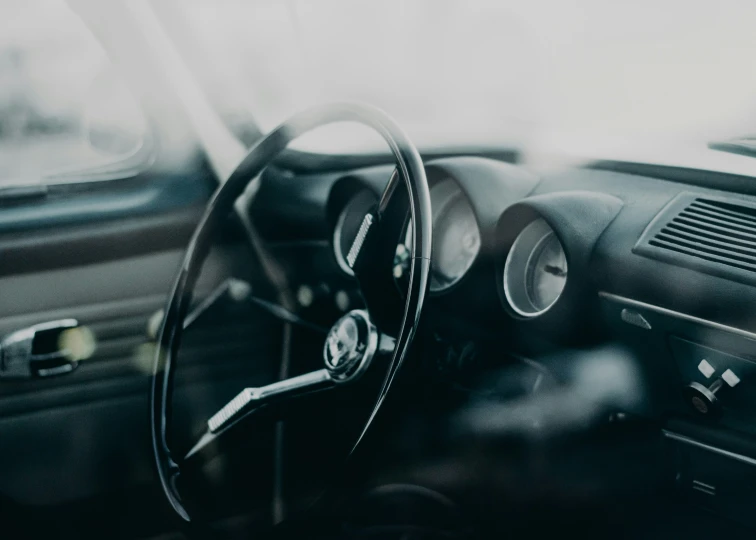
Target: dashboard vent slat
706, 243
706, 257
721, 214
726, 252
704, 221
713, 235
709, 234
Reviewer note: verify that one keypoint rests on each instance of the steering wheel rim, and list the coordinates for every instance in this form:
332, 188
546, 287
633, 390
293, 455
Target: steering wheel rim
409, 166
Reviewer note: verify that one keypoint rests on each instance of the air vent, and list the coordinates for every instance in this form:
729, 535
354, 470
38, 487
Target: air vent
712, 235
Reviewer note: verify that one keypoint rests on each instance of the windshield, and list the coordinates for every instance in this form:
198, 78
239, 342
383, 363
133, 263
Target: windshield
486, 72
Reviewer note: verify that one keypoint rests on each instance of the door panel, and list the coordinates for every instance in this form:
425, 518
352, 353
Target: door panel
87, 431
73, 225
85, 436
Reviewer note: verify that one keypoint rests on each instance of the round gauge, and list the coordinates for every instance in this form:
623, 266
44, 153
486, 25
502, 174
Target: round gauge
348, 224
535, 272
456, 238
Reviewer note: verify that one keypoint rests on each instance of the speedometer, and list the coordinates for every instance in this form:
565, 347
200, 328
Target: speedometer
456, 238
535, 272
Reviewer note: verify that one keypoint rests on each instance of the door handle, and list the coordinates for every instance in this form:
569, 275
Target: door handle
38, 351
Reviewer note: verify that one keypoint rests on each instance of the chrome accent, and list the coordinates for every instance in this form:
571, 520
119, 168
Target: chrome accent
386, 344
338, 230
707, 489
692, 442
509, 273
252, 398
230, 409
347, 352
350, 346
17, 357
634, 318
354, 251
683, 316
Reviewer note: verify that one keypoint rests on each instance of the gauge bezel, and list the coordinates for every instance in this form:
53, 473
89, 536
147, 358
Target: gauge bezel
519, 260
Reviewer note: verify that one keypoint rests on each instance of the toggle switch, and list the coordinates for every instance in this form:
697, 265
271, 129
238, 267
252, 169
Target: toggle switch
706, 368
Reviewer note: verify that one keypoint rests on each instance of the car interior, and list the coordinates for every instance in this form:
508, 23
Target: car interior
377, 270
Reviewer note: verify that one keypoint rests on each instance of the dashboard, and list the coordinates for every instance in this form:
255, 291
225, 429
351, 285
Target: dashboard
541, 266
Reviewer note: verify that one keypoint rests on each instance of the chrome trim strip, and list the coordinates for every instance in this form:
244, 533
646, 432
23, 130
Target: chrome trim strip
354, 251
230, 409
676, 314
692, 442
338, 230
252, 398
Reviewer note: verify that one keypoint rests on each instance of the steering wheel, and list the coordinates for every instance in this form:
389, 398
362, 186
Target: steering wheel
353, 341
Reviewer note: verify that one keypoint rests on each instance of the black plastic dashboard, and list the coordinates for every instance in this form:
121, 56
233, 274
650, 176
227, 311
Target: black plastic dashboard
676, 308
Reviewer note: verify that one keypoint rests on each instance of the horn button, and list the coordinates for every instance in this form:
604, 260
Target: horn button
350, 346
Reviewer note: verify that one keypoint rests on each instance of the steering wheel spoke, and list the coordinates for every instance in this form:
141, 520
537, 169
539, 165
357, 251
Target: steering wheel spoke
349, 349
251, 399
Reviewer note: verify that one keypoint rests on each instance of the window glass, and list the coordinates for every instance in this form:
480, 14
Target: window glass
62, 107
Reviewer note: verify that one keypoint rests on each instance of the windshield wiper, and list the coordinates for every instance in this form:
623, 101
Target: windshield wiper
744, 146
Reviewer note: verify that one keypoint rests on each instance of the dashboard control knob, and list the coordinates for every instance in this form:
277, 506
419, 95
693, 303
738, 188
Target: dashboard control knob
706, 401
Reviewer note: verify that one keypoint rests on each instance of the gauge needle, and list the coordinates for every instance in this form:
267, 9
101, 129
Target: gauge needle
554, 270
